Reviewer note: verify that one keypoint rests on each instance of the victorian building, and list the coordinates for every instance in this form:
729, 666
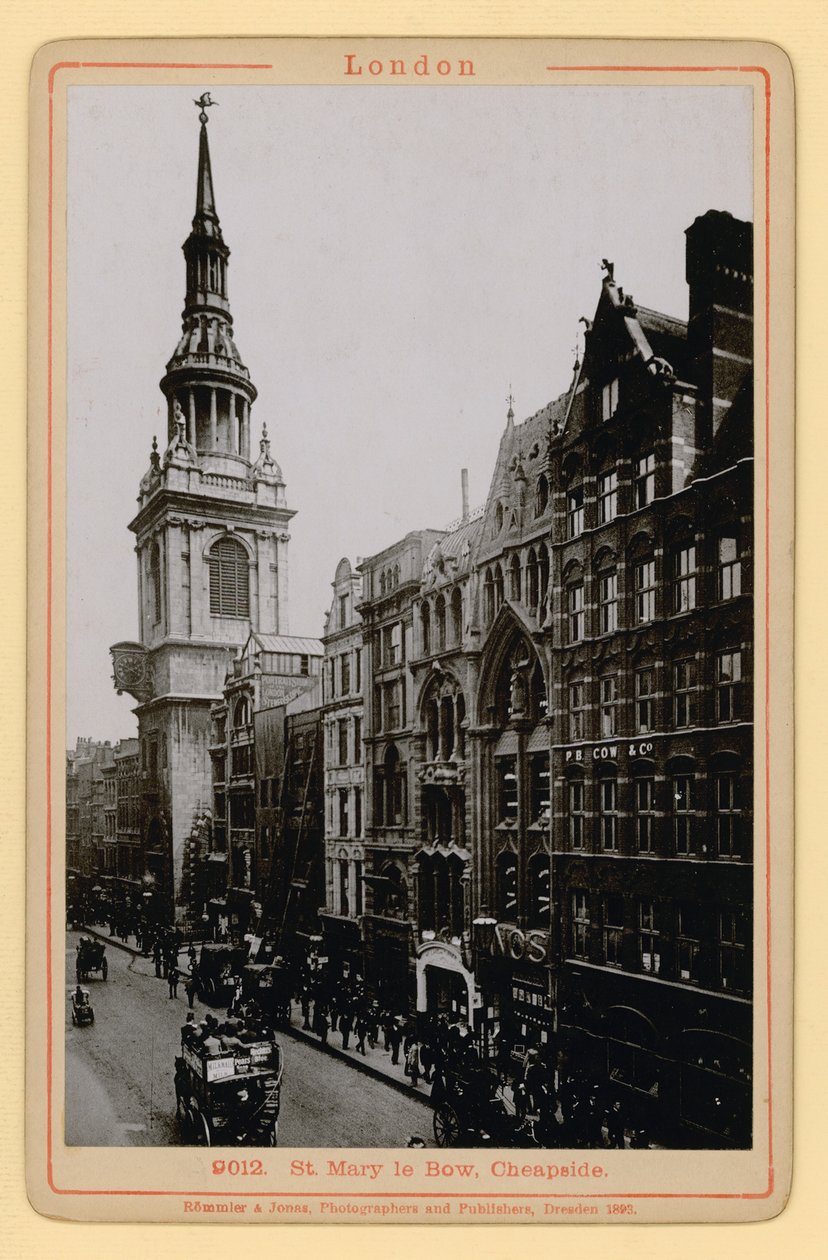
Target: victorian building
614, 721
390, 587
558, 721
343, 713
211, 544
233, 850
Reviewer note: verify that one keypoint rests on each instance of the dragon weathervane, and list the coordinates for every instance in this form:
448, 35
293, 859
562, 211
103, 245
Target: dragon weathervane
204, 102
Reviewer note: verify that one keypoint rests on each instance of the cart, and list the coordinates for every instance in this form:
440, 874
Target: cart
82, 1012
91, 957
231, 1098
217, 967
269, 986
470, 1110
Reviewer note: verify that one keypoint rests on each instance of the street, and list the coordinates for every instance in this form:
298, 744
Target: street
119, 1074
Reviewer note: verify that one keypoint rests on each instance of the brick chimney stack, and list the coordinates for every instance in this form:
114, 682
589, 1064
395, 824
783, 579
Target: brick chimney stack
719, 271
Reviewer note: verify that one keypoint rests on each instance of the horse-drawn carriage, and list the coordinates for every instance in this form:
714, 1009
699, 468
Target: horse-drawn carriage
470, 1110
218, 965
229, 1098
91, 956
269, 986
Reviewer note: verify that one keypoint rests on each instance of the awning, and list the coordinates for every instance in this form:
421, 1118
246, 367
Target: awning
216, 857
379, 881
239, 896
446, 851
218, 902
507, 745
539, 740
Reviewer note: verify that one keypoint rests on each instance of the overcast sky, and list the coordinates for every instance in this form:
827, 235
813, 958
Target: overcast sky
400, 257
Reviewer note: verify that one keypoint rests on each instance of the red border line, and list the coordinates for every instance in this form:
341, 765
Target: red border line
217, 1194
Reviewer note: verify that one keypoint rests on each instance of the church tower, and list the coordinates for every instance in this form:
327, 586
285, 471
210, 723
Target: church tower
211, 543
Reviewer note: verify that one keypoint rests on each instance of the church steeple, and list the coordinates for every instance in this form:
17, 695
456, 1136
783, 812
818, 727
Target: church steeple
206, 377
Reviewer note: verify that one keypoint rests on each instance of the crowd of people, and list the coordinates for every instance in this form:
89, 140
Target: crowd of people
557, 1105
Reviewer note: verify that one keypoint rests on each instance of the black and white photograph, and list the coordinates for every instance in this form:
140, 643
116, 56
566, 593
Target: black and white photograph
410, 617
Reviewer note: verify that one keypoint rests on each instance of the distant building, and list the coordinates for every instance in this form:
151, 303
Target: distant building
343, 719
235, 853
390, 585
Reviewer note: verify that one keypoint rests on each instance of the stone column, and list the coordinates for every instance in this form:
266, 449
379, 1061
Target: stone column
173, 583
281, 580
245, 429
192, 417
213, 420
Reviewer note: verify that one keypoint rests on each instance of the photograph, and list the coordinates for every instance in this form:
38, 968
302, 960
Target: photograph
410, 571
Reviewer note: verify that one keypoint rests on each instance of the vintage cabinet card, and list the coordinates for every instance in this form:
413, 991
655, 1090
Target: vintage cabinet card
410, 806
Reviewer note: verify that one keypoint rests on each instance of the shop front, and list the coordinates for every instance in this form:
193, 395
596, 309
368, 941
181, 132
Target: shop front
518, 1005
389, 976
342, 945
445, 986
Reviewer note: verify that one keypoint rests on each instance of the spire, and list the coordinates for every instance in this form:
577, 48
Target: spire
206, 380
206, 222
205, 198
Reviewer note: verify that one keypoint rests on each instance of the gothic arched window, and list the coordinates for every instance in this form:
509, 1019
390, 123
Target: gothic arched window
440, 623
229, 579
425, 627
456, 616
541, 495
514, 577
507, 892
539, 891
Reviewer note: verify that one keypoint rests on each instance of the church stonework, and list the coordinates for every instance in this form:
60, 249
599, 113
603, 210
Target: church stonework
212, 538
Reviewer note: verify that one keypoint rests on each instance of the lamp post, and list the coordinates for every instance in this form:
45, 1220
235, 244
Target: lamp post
483, 928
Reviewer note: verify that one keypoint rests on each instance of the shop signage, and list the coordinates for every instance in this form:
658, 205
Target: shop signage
609, 752
511, 942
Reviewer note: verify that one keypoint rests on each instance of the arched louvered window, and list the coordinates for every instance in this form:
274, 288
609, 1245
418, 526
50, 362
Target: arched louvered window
229, 579
155, 581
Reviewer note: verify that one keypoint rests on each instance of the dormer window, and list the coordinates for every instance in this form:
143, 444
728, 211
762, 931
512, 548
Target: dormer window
609, 399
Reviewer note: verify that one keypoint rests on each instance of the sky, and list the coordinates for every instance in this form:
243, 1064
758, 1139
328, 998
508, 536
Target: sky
401, 258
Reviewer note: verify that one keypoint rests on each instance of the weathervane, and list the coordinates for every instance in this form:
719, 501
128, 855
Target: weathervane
204, 102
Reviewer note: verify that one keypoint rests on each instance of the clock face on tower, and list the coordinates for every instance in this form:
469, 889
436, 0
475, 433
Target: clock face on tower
130, 669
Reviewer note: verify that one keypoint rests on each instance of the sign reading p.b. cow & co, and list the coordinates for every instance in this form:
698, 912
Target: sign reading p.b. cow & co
609, 752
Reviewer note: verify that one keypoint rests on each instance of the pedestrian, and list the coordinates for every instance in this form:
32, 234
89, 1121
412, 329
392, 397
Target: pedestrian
535, 1080
387, 1022
188, 1030
156, 954
395, 1041
361, 1030
172, 982
427, 1061
373, 1027
304, 1002
639, 1140
191, 988
320, 1019
594, 1122
615, 1126
412, 1063
345, 1025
